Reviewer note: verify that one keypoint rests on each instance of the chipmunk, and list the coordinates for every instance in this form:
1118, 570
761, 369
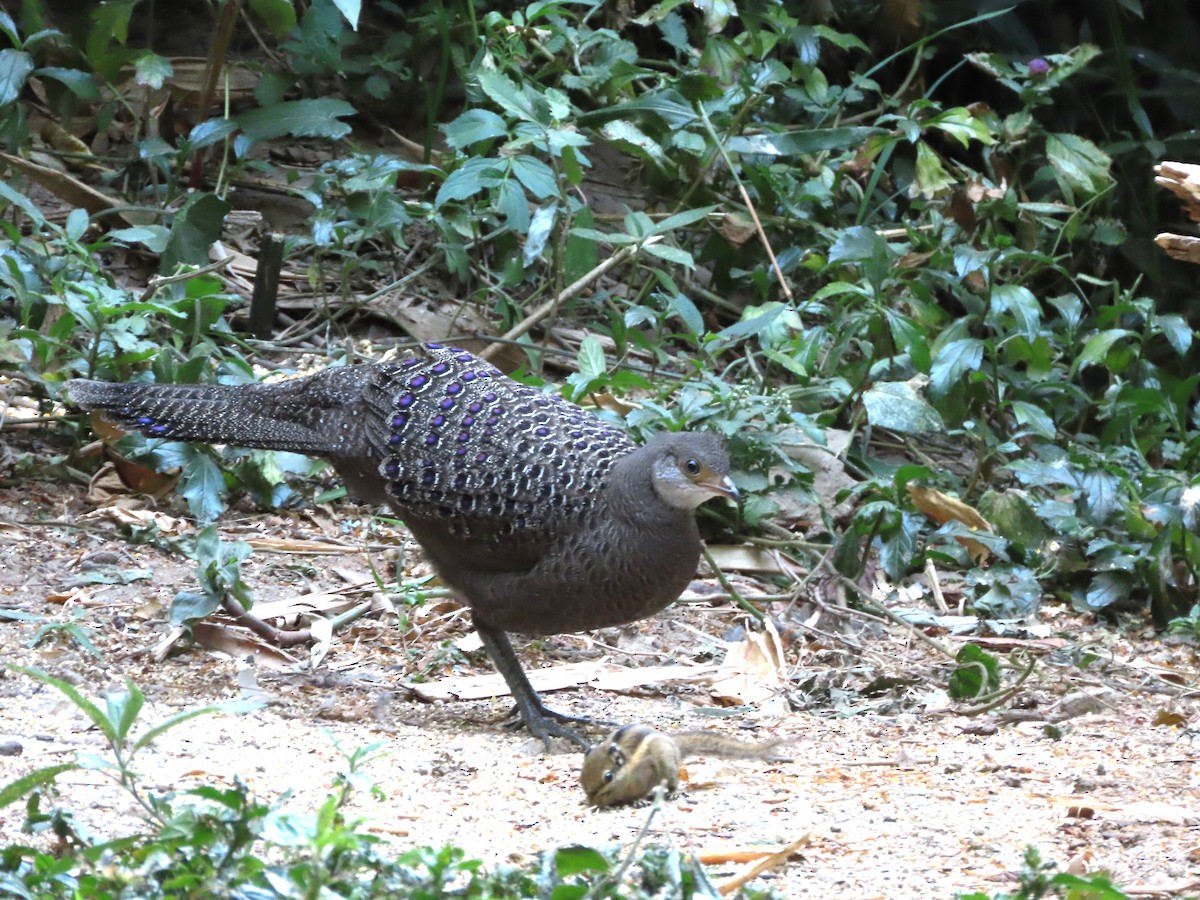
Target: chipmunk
635, 759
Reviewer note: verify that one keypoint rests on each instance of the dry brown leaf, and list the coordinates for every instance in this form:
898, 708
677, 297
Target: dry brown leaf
74, 191
753, 670
943, 508
241, 642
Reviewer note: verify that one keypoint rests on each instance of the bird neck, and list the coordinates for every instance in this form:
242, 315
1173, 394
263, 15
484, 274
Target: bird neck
634, 496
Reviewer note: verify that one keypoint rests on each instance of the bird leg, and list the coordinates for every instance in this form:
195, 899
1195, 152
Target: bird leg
541, 721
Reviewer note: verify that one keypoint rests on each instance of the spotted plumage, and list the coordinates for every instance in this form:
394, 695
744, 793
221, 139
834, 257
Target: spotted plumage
544, 517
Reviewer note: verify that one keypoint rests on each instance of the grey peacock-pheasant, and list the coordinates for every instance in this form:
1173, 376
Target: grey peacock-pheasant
544, 518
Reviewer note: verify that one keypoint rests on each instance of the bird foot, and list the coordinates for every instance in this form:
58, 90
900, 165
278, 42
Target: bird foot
545, 723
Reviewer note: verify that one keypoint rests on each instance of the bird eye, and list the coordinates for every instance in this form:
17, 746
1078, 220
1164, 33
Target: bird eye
692, 467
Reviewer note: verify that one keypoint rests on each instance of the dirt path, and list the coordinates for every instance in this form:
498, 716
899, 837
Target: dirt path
895, 801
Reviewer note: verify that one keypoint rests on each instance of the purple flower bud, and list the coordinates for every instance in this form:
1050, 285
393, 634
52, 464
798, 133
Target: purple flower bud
1039, 67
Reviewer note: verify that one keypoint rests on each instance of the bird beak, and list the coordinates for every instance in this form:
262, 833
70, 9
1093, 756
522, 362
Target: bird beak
724, 488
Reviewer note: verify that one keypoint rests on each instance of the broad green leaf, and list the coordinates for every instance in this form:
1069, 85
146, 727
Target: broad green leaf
279, 15
1101, 494
931, 179
152, 70
623, 131
577, 859
123, 709
1108, 588
507, 95
682, 306
1080, 164
77, 223
952, 362
801, 143
211, 131
298, 118
191, 606
978, 673
513, 205
682, 219
670, 254
1097, 347
469, 179
202, 485
1177, 332
540, 229
897, 405
1020, 303
1034, 419
473, 126
196, 225
15, 66
79, 83
962, 126
592, 364
537, 177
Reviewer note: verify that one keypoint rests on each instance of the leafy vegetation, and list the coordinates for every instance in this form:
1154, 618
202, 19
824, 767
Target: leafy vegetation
210, 841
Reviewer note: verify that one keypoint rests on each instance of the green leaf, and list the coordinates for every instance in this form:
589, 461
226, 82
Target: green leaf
197, 224
682, 219
192, 606
81, 84
87, 707
203, 486
1096, 349
152, 70
1022, 305
473, 126
577, 860
507, 95
540, 229
952, 362
278, 15
898, 406
211, 131
123, 709
469, 179
670, 254
625, 132
298, 118
77, 223
537, 177
1177, 332
682, 306
1080, 164
801, 143
1034, 419
978, 674
15, 66
15, 790
592, 364
153, 237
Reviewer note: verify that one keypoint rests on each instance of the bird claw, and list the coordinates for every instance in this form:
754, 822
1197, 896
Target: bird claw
545, 723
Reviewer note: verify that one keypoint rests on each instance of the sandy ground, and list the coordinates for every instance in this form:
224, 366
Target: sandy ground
893, 799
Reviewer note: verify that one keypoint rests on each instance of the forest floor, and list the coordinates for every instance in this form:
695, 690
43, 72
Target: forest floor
889, 792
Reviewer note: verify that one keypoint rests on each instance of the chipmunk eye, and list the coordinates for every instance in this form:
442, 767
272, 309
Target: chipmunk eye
608, 777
